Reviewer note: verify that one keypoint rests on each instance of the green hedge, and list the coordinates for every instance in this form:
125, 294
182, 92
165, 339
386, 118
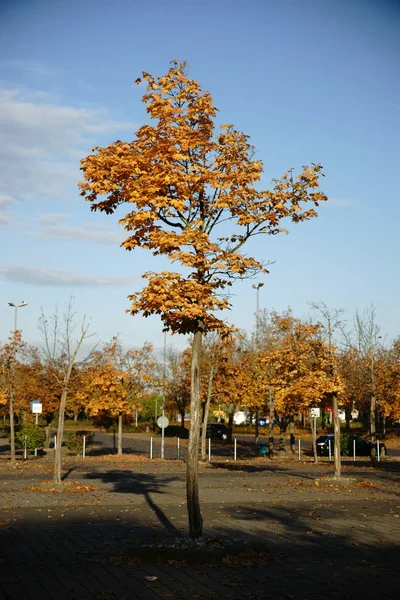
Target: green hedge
35, 437
74, 441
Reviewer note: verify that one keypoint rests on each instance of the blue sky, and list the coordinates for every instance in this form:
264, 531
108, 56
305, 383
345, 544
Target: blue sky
308, 80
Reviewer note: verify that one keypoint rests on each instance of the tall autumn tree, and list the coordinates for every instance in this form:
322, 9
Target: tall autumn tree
330, 322
103, 389
8, 362
365, 340
60, 351
177, 385
388, 381
192, 195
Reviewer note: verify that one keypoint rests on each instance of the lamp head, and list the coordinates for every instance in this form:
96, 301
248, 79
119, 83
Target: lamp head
23, 303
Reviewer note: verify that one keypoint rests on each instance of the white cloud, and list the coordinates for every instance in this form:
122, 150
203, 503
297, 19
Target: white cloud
33, 275
86, 233
5, 201
41, 142
52, 226
52, 218
5, 219
5, 205
30, 66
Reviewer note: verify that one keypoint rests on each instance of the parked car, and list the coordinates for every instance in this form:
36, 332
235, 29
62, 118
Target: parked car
363, 447
217, 431
175, 431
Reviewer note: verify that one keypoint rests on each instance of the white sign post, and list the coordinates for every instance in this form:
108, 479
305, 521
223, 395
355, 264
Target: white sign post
162, 422
36, 409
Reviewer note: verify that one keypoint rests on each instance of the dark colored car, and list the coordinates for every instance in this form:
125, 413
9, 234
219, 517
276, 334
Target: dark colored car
175, 431
363, 447
217, 431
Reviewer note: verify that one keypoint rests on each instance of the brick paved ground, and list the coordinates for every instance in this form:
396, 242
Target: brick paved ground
322, 541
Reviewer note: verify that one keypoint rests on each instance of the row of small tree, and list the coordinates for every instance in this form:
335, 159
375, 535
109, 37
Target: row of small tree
67, 378
293, 365
289, 367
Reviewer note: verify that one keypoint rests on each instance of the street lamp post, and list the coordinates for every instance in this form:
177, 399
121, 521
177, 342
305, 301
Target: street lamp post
12, 432
16, 307
257, 287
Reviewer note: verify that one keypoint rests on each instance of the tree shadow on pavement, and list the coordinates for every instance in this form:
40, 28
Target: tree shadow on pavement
126, 482
267, 468
83, 555
357, 560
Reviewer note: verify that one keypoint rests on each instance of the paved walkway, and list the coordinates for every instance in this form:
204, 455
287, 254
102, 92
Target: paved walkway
319, 540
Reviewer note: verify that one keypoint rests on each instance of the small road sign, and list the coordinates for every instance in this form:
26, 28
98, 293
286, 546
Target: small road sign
162, 422
36, 407
315, 412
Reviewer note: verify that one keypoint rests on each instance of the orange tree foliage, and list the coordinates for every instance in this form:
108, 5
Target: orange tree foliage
293, 360
191, 195
177, 384
234, 377
26, 374
138, 373
102, 386
115, 381
301, 367
388, 381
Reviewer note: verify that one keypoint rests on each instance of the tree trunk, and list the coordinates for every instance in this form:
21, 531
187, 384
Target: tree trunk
47, 434
372, 425
347, 412
120, 433
323, 420
336, 431
314, 437
182, 419
256, 428
12, 428
372, 412
292, 436
271, 424
231, 411
60, 432
205, 414
282, 448
192, 464
75, 415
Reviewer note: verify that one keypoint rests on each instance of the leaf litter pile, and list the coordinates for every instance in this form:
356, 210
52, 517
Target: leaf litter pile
68, 487
206, 551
